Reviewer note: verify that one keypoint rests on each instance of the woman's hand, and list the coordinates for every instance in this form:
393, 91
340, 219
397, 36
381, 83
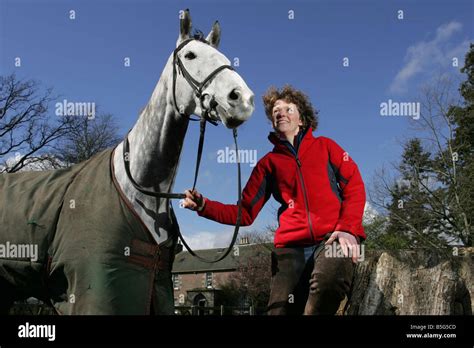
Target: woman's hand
348, 243
193, 201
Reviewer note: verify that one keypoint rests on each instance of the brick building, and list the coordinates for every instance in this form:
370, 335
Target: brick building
198, 283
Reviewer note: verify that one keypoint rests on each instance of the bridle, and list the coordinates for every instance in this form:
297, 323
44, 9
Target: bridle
198, 87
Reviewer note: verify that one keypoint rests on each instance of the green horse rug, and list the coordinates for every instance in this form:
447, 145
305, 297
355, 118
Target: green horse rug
89, 253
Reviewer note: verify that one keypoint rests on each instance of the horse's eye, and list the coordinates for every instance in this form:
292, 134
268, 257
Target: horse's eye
190, 55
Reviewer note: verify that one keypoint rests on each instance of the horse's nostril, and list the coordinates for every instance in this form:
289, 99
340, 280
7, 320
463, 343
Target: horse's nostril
234, 95
251, 100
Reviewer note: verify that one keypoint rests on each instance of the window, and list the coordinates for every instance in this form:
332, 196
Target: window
175, 278
208, 280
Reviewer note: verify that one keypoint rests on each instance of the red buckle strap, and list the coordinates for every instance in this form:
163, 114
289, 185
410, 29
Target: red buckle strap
150, 255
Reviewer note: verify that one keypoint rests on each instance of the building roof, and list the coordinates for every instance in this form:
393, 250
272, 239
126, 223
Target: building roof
184, 262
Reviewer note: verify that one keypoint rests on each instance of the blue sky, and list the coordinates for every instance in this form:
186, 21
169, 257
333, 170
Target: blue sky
388, 59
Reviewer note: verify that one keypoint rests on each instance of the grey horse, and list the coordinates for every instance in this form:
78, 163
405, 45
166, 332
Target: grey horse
104, 247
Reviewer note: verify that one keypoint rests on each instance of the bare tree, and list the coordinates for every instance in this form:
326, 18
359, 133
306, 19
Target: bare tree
437, 123
432, 184
30, 137
87, 137
26, 129
250, 283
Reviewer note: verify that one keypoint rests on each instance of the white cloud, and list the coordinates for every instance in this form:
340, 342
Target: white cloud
209, 240
445, 31
206, 240
425, 56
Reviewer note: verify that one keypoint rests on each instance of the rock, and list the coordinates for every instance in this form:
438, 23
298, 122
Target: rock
413, 282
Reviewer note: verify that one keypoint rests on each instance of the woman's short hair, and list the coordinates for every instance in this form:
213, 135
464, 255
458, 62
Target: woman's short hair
308, 114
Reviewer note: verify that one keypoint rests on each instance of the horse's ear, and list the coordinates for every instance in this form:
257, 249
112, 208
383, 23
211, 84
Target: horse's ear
185, 25
214, 36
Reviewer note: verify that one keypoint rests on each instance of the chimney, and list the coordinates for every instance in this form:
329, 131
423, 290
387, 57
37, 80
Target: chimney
244, 241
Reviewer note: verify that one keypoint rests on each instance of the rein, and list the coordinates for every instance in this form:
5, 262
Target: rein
198, 88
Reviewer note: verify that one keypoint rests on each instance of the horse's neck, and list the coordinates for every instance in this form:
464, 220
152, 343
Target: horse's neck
155, 141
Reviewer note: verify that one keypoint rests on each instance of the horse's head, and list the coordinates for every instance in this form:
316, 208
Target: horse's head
202, 79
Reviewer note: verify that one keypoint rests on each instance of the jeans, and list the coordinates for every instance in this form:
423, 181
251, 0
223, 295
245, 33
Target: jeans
309, 280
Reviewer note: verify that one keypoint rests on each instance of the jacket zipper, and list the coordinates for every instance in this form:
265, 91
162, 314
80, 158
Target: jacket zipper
305, 197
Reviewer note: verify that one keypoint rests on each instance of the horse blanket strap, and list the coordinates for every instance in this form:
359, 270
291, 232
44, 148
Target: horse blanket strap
90, 241
151, 255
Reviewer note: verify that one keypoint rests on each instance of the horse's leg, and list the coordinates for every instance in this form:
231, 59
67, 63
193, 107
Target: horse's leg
163, 294
7, 296
18, 281
90, 287
163, 297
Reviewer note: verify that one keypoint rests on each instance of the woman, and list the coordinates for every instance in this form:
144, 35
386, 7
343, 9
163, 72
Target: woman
322, 199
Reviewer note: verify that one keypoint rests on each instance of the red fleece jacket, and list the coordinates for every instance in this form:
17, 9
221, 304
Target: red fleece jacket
317, 184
